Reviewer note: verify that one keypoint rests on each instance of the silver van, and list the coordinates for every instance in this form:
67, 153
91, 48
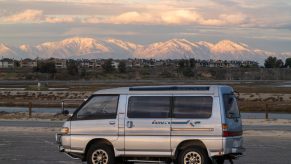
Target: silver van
184, 124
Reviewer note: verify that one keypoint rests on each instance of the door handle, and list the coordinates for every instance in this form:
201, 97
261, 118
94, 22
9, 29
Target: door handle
129, 124
112, 122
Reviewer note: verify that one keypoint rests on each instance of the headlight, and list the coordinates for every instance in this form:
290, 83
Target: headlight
65, 130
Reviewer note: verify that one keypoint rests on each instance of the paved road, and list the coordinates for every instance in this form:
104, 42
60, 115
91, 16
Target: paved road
28, 123
32, 147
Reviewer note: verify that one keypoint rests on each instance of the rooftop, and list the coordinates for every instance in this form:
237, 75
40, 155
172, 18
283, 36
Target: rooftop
164, 89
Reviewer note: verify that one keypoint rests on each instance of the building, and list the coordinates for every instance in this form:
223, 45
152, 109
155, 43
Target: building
28, 63
6, 63
60, 63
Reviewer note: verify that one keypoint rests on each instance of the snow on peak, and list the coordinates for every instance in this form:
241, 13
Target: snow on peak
225, 46
4, 48
25, 47
123, 44
91, 48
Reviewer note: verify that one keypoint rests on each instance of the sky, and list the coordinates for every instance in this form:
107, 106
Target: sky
263, 24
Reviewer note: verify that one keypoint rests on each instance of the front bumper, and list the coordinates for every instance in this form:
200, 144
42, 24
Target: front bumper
58, 138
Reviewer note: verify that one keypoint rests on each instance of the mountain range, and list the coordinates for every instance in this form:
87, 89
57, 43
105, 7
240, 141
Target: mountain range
91, 48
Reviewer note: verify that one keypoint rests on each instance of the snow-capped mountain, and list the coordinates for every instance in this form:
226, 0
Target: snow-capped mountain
118, 49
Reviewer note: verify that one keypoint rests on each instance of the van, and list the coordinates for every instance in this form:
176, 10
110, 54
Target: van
184, 124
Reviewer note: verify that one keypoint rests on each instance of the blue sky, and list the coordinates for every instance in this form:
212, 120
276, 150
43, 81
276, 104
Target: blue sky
264, 24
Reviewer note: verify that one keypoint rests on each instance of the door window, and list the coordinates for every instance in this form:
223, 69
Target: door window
99, 107
192, 107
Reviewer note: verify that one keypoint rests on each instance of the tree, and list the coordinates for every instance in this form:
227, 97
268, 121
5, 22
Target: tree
188, 72
47, 67
279, 64
16, 63
72, 67
83, 72
181, 63
192, 62
288, 63
107, 66
270, 62
122, 67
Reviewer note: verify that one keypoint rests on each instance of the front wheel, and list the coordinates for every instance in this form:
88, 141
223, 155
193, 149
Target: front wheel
193, 155
100, 154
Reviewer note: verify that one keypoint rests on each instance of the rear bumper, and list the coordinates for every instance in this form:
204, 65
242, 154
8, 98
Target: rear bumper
233, 146
238, 150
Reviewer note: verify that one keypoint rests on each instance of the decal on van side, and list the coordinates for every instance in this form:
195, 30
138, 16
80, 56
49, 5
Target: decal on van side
192, 123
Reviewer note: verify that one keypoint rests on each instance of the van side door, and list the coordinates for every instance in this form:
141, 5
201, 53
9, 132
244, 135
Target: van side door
97, 118
147, 125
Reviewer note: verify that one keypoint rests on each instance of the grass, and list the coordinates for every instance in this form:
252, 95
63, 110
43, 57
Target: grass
259, 106
255, 87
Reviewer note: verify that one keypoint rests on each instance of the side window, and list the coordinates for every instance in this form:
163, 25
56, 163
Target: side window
192, 107
148, 107
99, 107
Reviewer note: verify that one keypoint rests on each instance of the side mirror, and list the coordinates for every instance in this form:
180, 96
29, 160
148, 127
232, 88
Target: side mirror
65, 112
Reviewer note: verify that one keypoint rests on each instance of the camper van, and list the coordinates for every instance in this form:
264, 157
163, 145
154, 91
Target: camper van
183, 124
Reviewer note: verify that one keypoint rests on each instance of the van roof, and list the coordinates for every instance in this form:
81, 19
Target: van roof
165, 89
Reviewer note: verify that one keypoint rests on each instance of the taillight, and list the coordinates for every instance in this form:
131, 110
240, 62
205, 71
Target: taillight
226, 133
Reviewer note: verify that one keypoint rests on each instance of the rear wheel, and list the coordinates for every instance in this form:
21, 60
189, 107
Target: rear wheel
193, 155
100, 154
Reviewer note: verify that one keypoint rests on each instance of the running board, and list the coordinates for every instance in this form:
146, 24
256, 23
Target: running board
145, 161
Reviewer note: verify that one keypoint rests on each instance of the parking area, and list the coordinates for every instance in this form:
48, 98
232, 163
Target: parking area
30, 142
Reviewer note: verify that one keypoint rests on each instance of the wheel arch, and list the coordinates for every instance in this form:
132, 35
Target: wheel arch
96, 141
187, 143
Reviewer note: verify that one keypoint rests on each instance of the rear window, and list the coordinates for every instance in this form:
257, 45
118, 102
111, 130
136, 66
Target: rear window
149, 107
192, 107
230, 106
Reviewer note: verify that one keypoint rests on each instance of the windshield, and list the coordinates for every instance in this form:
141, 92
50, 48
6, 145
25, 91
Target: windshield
98, 107
230, 106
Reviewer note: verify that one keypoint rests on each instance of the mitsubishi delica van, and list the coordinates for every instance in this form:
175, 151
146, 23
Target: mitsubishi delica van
185, 124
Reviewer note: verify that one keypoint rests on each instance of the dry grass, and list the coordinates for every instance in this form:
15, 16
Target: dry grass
260, 106
34, 116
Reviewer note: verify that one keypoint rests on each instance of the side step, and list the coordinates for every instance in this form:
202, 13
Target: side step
146, 161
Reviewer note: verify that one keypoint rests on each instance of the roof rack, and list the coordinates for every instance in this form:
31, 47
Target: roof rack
171, 88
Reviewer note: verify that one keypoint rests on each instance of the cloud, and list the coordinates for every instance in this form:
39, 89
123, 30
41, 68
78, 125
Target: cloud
35, 16
174, 17
92, 20
25, 16
65, 19
72, 1
132, 18
164, 17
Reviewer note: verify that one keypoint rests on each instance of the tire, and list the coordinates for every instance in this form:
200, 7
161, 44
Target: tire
219, 160
100, 154
193, 155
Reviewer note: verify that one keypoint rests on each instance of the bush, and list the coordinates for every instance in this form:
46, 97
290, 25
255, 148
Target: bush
188, 72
